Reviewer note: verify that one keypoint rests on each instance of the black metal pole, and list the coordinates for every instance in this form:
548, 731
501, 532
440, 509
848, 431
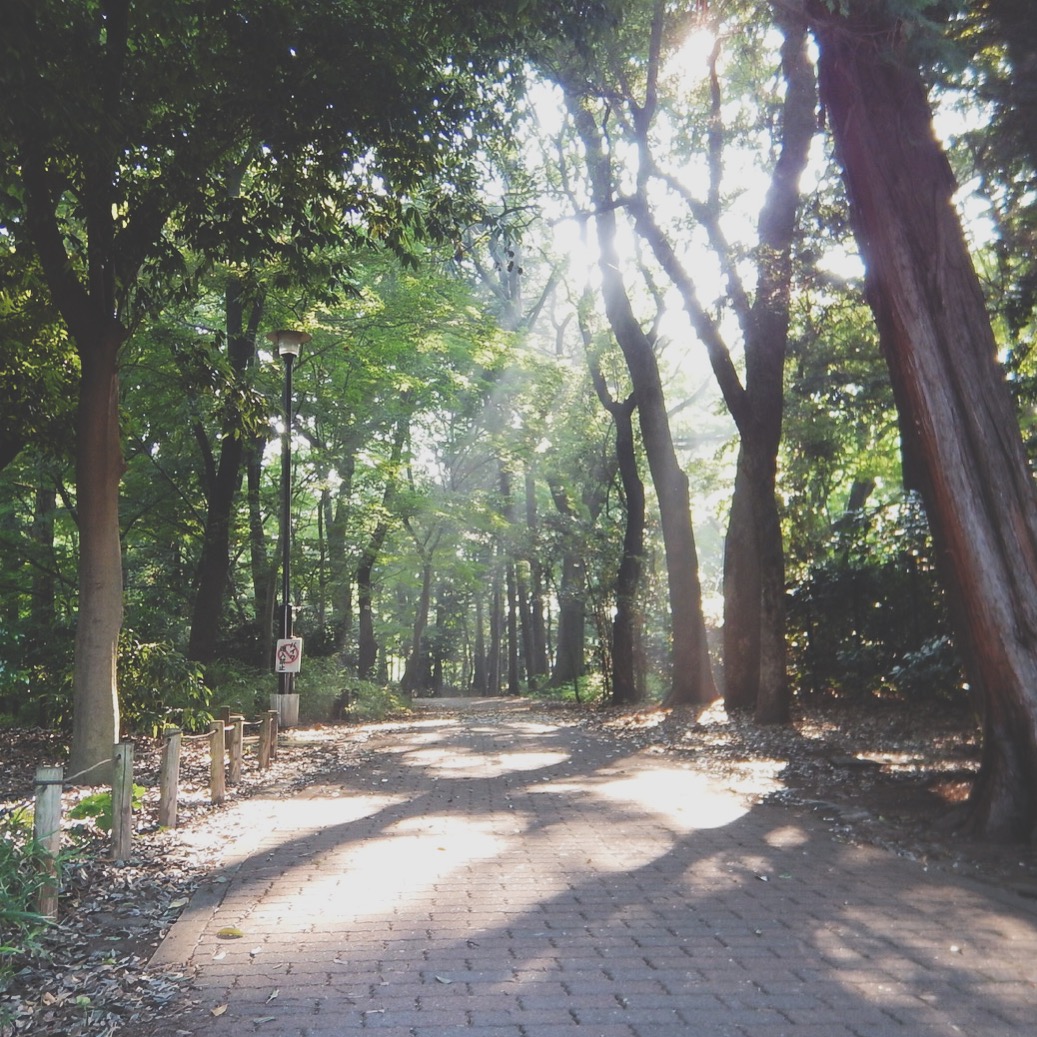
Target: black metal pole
286, 680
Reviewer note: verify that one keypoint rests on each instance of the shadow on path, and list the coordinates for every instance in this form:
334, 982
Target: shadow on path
503, 871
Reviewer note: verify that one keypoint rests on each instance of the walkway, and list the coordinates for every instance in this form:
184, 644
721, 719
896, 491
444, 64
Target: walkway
510, 875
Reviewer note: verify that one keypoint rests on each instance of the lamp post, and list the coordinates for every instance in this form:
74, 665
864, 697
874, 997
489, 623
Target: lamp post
288, 344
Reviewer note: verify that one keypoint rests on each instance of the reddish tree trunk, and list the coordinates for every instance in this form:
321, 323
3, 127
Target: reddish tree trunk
950, 391
99, 468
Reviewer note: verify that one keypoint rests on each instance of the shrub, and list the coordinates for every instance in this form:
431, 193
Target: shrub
98, 808
158, 686
21, 878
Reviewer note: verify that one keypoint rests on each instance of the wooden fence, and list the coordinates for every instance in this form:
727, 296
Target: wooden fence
227, 740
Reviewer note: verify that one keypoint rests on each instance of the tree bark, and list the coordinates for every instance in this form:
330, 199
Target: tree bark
99, 468
572, 600
627, 682
367, 646
742, 598
539, 665
222, 490
41, 602
950, 391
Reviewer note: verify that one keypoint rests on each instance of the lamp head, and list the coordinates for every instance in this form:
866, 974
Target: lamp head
288, 342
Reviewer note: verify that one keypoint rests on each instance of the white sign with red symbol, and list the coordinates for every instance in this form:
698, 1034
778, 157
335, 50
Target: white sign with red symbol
288, 657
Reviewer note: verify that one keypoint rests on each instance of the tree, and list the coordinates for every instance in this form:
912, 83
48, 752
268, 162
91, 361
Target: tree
754, 584
122, 121
691, 678
956, 413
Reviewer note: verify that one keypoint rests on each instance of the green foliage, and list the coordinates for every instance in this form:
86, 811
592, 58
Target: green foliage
869, 618
242, 688
97, 808
328, 692
21, 878
588, 690
369, 701
158, 685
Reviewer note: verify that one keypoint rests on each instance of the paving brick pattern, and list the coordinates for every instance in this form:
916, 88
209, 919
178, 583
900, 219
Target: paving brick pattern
510, 875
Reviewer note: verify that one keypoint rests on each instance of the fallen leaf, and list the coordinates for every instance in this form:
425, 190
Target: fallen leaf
229, 932
219, 1010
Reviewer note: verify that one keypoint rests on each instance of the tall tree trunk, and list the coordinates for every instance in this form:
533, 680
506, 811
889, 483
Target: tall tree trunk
367, 646
416, 668
340, 574
512, 628
754, 584
741, 598
523, 599
262, 567
222, 489
950, 391
539, 664
494, 649
99, 468
627, 682
572, 600
691, 678
480, 676
41, 598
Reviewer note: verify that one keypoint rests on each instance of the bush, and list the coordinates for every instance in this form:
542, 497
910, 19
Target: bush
159, 686
21, 877
243, 688
328, 691
870, 616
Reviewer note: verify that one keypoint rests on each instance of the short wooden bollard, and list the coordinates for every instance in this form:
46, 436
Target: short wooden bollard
46, 830
264, 739
122, 801
275, 723
236, 747
217, 773
169, 778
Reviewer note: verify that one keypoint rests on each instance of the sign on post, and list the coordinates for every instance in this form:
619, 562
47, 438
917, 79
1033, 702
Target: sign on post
288, 657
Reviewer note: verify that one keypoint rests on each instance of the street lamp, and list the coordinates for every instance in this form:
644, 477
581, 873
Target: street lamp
288, 344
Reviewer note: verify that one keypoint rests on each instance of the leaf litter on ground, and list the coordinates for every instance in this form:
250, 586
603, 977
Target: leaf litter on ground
892, 775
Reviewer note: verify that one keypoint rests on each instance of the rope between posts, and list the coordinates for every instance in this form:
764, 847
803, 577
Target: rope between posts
72, 777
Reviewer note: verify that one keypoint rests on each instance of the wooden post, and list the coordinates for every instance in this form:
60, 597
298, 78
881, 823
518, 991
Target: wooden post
237, 747
225, 716
217, 775
46, 831
264, 739
274, 725
122, 801
169, 778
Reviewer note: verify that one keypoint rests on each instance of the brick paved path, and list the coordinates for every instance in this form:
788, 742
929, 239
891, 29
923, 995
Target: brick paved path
509, 875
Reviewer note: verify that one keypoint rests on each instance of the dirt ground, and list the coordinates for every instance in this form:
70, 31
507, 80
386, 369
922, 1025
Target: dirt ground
880, 773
